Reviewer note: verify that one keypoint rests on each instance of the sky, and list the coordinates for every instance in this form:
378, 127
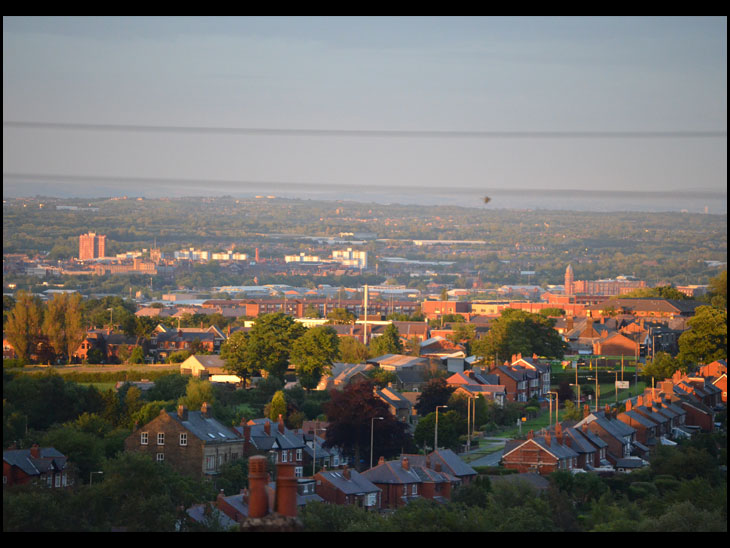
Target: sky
589, 103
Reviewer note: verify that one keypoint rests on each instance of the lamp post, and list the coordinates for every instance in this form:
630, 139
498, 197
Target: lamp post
436, 429
372, 423
551, 408
91, 475
596, 394
577, 405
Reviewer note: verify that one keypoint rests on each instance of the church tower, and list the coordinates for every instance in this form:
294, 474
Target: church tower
569, 280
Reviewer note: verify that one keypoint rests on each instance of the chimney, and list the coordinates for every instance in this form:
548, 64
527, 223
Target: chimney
628, 405
567, 441
267, 428
404, 463
206, 410
548, 439
258, 501
286, 490
530, 435
182, 412
639, 401
437, 467
558, 430
35, 451
586, 411
381, 460
281, 424
346, 472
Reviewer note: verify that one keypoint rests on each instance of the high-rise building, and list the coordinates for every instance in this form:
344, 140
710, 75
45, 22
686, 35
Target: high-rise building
91, 246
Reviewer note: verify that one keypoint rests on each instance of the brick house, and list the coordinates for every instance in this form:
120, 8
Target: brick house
540, 454
193, 442
42, 465
619, 437
347, 487
542, 383
473, 383
280, 444
400, 482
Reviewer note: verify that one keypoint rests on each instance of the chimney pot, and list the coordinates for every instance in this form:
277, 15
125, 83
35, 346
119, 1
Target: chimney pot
258, 500
286, 490
281, 424
404, 463
35, 451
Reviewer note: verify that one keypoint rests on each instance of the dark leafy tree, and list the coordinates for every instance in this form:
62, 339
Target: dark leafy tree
435, 392
349, 413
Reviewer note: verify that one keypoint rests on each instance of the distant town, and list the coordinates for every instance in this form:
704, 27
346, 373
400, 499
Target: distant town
388, 375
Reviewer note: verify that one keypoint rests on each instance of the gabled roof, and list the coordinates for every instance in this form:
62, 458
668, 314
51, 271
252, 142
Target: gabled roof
357, 484
48, 459
204, 428
452, 463
392, 472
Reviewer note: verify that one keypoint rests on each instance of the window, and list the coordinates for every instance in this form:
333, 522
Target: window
161, 438
143, 438
283, 456
58, 480
160, 457
210, 462
414, 489
298, 472
299, 455
183, 438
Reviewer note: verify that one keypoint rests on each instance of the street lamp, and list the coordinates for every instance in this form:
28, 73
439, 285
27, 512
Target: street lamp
551, 408
91, 475
596, 394
372, 423
436, 428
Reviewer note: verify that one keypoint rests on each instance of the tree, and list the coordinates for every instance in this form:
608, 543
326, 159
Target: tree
62, 324
277, 406
450, 426
662, 366
718, 290
23, 327
387, 343
313, 353
270, 341
520, 332
435, 392
352, 350
234, 353
341, 316
349, 413
706, 339
197, 392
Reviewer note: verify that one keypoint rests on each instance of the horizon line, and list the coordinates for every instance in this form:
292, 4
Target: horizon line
312, 132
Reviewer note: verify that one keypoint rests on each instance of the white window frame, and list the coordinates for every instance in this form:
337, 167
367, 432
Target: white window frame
160, 457
144, 438
414, 489
183, 439
210, 462
160, 438
299, 455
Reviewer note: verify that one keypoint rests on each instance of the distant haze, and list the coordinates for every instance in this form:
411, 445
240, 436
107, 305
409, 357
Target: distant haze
404, 108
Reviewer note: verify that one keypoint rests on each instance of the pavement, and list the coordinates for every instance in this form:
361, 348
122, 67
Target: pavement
488, 444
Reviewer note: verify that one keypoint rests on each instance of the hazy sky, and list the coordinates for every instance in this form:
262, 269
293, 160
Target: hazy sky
445, 74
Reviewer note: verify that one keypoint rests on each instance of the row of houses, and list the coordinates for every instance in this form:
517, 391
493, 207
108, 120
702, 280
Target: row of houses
620, 440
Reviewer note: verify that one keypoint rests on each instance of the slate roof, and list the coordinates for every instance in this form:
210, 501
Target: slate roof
49, 459
392, 472
358, 484
275, 439
205, 428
